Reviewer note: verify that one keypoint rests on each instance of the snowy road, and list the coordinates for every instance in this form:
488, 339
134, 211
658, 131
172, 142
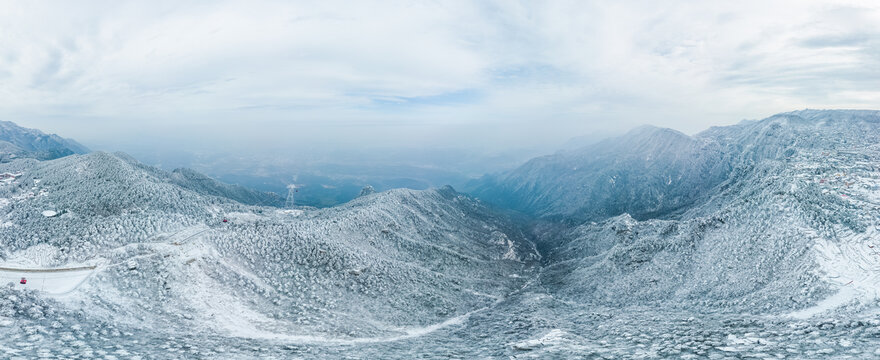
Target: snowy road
63, 280
52, 281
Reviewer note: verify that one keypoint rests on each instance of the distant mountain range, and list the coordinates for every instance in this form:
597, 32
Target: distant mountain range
16, 141
647, 172
759, 216
753, 239
654, 172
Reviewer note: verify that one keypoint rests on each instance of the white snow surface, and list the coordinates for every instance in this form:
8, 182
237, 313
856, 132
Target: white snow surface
776, 256
52, 283
852, 266
30, 264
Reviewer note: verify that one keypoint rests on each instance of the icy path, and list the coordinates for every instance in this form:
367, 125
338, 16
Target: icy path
64, 280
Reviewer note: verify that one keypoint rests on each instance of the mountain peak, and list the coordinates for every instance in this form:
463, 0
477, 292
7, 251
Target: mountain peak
21, 142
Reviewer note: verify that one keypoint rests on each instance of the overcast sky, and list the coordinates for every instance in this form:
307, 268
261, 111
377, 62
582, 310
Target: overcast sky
495, 73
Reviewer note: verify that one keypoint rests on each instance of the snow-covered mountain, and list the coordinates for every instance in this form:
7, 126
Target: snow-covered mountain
795, 221
172, 259
745, 216
753, 240
647, 172
654, 172
16, 141
777, 234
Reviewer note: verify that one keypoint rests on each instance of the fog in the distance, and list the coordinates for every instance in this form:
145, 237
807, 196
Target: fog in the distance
415, 94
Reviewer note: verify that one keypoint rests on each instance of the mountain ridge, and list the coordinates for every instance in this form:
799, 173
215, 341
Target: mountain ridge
662, 171
382, 266
743, 240
24, 142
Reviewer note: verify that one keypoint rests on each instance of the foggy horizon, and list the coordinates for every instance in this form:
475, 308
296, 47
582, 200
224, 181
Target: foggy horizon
423, 179
264, 77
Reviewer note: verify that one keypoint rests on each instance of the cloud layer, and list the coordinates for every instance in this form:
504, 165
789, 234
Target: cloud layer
501, 73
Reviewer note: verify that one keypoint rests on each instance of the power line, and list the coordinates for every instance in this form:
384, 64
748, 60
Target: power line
290, 203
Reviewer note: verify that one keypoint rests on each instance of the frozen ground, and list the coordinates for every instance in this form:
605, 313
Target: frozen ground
532, 323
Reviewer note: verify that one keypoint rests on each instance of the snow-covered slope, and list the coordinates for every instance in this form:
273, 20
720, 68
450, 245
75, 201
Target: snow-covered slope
16, 141
756, 240
658, 173
202, 184
648, 172
793, 224
387, 265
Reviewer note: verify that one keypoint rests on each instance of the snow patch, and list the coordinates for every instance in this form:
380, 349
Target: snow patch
52, 283
243, 217
31, 264
853, 266
553, 337
291, 212
37, 256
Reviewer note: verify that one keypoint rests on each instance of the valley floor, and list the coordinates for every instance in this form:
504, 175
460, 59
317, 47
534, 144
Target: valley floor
535, 324
530, 323
790, 244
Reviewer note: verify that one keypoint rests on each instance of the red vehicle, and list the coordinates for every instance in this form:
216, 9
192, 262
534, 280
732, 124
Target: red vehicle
23, 281
224, 220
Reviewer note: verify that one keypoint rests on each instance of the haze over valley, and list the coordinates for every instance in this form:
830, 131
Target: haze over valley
468, 180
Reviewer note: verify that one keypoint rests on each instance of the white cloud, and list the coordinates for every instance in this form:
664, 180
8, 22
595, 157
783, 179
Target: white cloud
404, 71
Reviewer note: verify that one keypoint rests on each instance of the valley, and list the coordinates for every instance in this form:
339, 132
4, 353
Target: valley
756, 240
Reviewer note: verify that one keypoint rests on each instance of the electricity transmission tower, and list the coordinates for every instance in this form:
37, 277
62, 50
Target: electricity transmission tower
291, 189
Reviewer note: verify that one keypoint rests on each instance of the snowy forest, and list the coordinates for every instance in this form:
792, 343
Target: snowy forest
741, 240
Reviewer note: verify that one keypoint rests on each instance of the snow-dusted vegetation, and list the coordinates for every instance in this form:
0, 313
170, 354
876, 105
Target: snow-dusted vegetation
18, 142
765, 248
384, 266
753, 240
